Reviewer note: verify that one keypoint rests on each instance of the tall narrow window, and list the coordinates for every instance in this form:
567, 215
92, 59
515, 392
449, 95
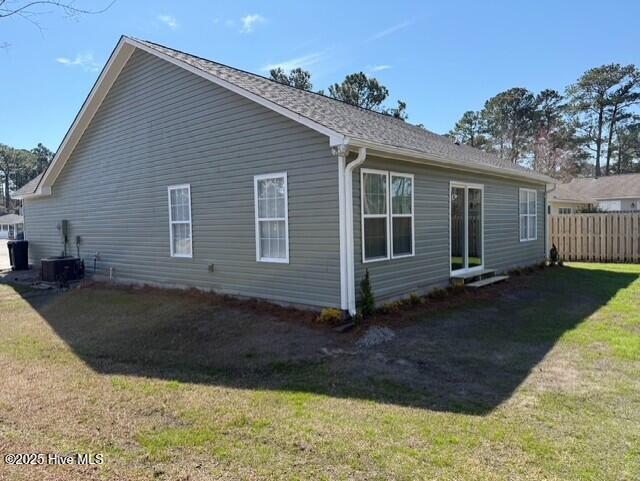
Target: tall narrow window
374, 214
180, 220
272, 221
401, 214
528, 215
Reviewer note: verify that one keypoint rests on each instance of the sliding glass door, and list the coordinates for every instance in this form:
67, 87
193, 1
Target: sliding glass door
458, 231
466, 227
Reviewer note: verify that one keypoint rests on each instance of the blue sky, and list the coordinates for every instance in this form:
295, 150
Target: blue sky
442, 58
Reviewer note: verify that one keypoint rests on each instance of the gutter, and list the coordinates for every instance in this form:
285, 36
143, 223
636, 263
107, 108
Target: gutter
409, 155
44, 192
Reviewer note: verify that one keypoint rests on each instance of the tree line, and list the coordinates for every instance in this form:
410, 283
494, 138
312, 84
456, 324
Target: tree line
356, 89
591, 129
19, 166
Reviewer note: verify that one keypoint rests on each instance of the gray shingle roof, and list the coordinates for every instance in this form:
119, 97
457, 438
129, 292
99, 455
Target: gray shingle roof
343, 118
11, 219
607, 187
29, 187
565, 193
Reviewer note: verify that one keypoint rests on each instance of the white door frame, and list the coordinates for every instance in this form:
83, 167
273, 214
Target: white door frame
465, 260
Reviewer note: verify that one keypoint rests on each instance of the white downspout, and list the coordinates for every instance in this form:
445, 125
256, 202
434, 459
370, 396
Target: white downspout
342, 161
547, 230
348, 211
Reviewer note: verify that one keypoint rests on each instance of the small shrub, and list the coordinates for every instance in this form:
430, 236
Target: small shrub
515, 272
542, 265
330, 317
438, 293
391, 307
367, 301
456, 288
530, 270
415, 299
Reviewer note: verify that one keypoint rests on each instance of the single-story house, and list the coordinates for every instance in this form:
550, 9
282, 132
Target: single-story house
611, 193
10, 226
179, 171
563, 200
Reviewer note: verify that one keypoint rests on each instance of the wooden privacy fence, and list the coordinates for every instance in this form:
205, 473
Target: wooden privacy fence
606, 237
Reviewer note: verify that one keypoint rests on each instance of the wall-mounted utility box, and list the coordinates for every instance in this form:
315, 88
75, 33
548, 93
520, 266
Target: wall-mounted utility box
64, 228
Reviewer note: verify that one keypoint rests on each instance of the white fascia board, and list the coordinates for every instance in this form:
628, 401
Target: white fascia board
619, 197
107, 77
43, 192
409, 155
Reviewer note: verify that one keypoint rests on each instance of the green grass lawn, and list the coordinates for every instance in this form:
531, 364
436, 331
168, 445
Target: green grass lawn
457, 262
536, 379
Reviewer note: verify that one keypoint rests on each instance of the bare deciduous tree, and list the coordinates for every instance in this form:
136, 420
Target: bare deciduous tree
30, 10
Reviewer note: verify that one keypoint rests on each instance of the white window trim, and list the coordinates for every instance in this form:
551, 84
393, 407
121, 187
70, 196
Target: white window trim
364, 216
413, 230
388, 216
256, 178
528, 214
171, 221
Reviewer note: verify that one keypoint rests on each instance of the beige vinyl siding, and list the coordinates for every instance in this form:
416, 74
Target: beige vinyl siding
429, 267
161, 125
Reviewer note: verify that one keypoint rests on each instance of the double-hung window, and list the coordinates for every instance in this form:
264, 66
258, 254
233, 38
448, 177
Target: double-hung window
272, 218
401, 215
528, 215
387, 215
180, 220
375, 226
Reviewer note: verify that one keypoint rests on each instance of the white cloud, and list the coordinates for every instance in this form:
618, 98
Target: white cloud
298, 62
169, 20
389, 31
249, 22
83, 60
380, 68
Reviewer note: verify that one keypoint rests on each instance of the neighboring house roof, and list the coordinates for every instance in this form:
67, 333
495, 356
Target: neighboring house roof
625, 186
342, 122
563, 193
11, 219
29, 187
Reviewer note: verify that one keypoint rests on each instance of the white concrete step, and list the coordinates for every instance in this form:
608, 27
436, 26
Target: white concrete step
463, 279
486, 282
